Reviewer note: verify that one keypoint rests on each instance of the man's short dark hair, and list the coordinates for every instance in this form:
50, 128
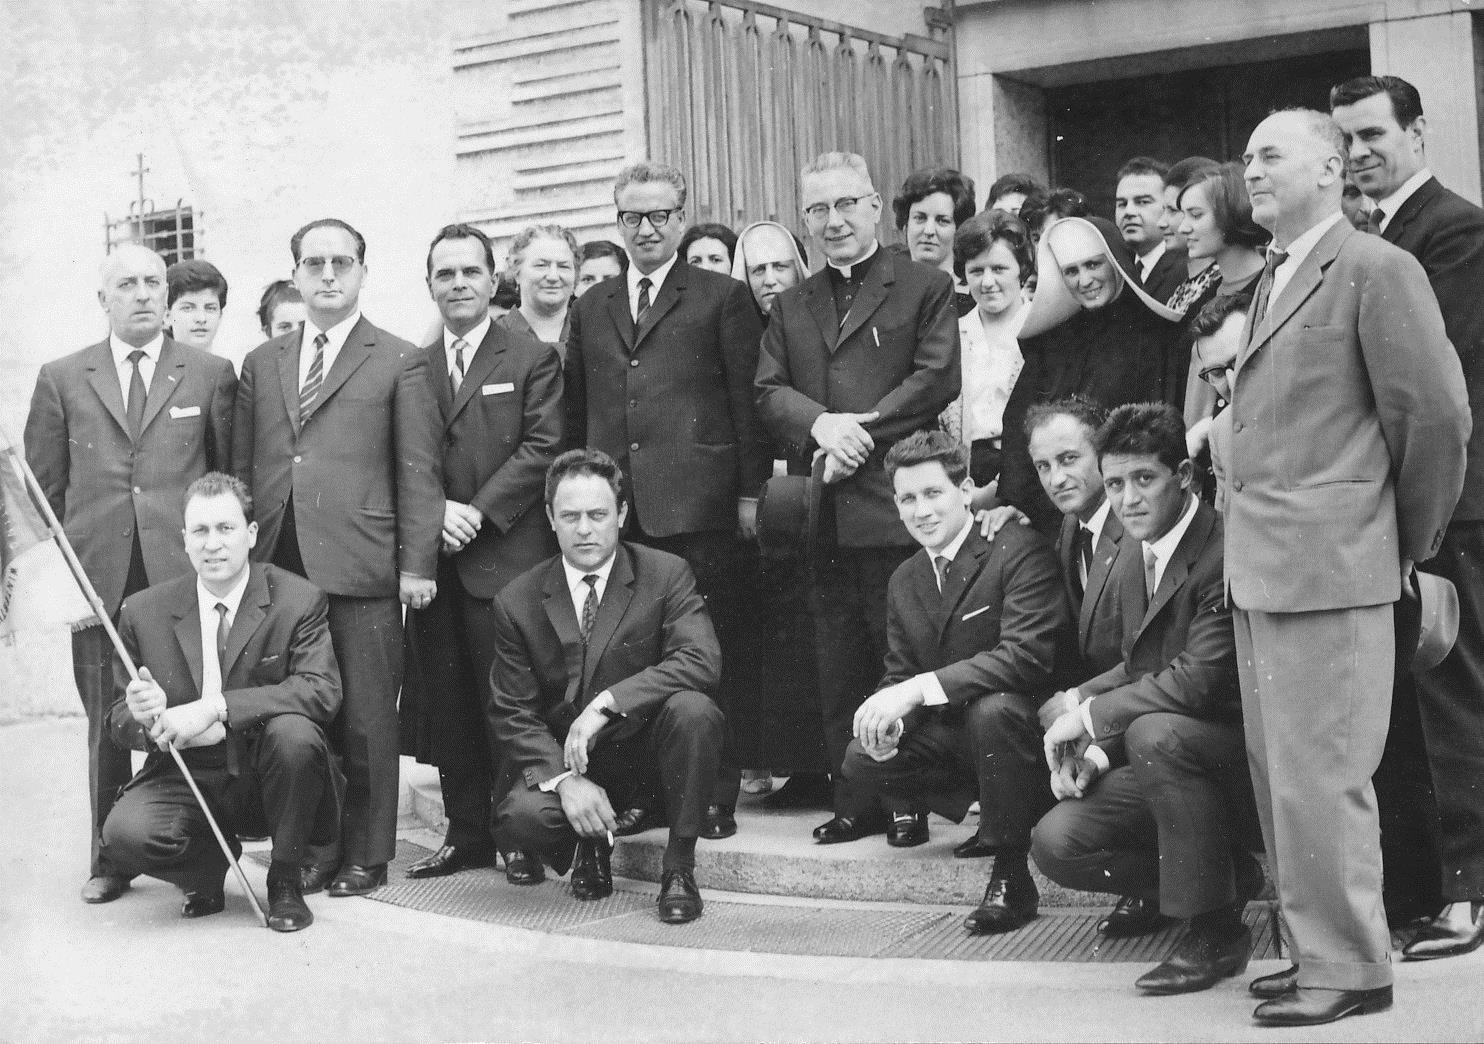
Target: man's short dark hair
275, 294
921, 184
586, 461
1036, 211
981, 231
460, 230
297, 240
1080, 408
217, 484
1216, 312
1016, 181
924, 447
1143, 165
507, 293
1406, 102
1144, 429
709, 230
186, 277
595, 248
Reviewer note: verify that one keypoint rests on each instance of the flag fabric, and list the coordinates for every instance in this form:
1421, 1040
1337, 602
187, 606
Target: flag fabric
36, 588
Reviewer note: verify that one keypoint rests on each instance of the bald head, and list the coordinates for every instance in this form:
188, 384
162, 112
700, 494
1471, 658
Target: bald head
1295, 170
132, 292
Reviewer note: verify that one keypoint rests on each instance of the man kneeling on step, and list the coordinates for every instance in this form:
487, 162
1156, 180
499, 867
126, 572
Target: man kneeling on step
972, 629
1148, 758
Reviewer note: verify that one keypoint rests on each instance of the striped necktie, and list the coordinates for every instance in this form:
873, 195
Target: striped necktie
456, 375
315, 378
644, 302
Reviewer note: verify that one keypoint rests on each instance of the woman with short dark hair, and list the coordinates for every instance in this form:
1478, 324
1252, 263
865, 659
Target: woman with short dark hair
931, 205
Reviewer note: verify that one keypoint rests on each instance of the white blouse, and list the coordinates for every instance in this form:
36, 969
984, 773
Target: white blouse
990, 369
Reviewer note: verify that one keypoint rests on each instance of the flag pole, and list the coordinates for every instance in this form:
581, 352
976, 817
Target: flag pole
86, 585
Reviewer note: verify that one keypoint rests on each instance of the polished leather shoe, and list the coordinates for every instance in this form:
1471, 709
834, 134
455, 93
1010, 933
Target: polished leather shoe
104, 888
849, 828
1199, 962
719, 821
807, 790
449, 859
1132, 916
907, 830
1266, 987
203, 902
1009, 902
1315, 1007
592, 876
523, 868
975, 847
680, 899
636, 820
287, 910
1459, 929
315, 878
357, 880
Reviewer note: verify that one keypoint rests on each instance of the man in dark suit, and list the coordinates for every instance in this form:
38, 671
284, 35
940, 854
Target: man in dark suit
855, 358
604, 656
499, 395
972, 633
659, 376
1349, 420
115, 434
236, 669
338, 440
1148, 759
1440, 740
1138, 206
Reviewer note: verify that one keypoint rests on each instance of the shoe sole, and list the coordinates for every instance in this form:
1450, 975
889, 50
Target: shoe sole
1365, 1007
1413, 957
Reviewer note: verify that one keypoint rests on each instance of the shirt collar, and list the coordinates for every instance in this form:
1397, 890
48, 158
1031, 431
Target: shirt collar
575, 575
232, 598
335, 336
1149, 260
1392, 203
122, 349
1301, 247
656, 278
846, 270
1098, 520
956, 544
474, 338
1165, 546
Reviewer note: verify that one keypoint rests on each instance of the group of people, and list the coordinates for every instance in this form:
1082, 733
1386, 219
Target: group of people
1123, 531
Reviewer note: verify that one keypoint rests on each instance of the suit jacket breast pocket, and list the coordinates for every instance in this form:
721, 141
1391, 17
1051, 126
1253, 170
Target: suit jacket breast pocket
269, 670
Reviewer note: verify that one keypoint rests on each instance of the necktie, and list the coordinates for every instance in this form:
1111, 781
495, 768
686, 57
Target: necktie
1149, 575
940, 567
644, 285
589, 606
312, 382
221, 642
456, 375
1373, 220
137, 393
1265, 285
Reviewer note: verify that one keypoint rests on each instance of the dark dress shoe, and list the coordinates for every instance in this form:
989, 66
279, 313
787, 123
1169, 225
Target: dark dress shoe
1315, 1007
203, 902
104, 888
287, 911
975, 847
636, 820
357, 880
523, 868
449, 859
680, 899
719, 821
1009, 902
592, 876
1199, 962
1132, 916
315, 878
1452, 933
907, 830
848, 828
803, 790
1266, 987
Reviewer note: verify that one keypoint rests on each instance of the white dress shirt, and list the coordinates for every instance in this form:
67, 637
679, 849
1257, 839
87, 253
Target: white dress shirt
211, 669
1146, 262
1392, 203
125, 369
1299, 249
656, 280
472, 340
932, 689
1094, 525
334, 340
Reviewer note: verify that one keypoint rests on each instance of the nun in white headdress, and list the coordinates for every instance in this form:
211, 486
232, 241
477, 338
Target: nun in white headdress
768, 260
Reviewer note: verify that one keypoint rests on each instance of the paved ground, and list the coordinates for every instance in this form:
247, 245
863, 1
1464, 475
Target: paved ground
371, 971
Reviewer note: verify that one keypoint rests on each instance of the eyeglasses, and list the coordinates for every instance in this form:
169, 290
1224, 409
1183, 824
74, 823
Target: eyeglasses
1209, 373
844, 206
339, 264
657, 218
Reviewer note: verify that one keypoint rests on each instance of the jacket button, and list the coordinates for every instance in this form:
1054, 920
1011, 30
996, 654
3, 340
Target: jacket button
633, 362
138, 491
1237, 426
633, 445
1237, 485
298, 459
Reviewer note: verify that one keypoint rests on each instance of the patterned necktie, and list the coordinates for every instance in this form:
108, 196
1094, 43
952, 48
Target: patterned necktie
643, 314
589, 606
1149, 574
940, 567
456, 375
1373, 220
221, 642
137, 394
1265, 285
316, 376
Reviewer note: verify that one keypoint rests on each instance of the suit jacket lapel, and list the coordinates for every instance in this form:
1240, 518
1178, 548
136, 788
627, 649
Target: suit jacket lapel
1413, 206
1178, 568
251, 612
1303, 284
104, 378
288, 374
1103, 557
618, 309
438, 374
617, 594
188, 633
485, 357
821, 304
166, 381
966, 567
356, 350
879, 278
667, 298
563, 616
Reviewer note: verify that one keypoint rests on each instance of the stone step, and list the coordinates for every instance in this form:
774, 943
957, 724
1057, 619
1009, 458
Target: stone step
773, 853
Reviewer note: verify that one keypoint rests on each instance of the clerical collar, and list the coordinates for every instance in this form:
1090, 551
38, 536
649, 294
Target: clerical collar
857, 269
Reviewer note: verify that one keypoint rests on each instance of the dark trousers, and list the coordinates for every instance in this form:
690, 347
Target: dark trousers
990, 752
677, 749
712, 557
450, 647
848, 603
284, 788
1163, 826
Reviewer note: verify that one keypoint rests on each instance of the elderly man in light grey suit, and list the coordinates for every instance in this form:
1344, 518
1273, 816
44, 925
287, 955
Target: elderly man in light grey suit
1346, 456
